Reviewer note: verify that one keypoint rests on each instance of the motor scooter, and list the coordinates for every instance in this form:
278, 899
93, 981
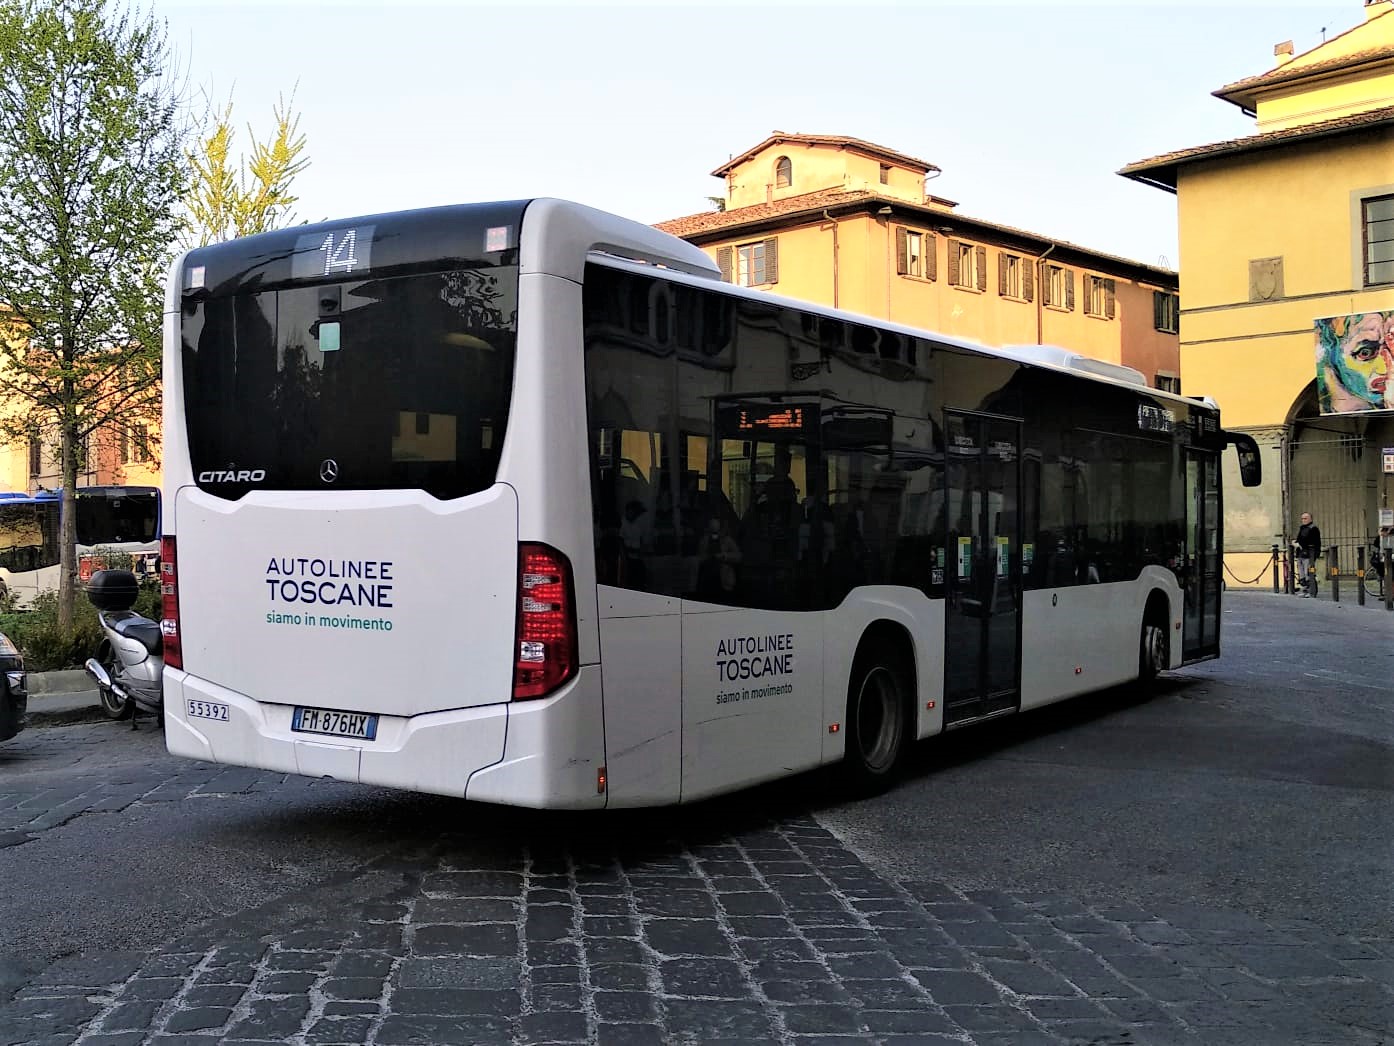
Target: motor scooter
129, 666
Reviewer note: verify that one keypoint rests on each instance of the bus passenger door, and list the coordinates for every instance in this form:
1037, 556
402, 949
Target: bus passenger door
1200, 629
982, 640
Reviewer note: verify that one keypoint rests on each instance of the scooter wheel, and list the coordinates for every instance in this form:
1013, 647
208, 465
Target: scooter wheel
113, 706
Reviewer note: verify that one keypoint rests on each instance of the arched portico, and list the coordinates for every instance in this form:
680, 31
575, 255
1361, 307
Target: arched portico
1332, 469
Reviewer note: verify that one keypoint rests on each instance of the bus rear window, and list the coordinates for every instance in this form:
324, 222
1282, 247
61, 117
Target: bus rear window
130, 516
400, 383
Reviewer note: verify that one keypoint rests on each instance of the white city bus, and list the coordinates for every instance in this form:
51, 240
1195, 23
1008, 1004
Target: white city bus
520, 502
116, 525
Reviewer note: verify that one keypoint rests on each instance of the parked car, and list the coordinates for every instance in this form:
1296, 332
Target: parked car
14, 691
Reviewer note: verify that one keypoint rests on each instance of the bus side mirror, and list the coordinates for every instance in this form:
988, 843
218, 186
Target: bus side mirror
1250, 468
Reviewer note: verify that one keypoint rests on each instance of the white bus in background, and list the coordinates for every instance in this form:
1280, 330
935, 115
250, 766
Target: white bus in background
519, 502
116, 525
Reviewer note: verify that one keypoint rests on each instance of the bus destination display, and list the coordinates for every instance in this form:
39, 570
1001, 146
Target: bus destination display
333, 252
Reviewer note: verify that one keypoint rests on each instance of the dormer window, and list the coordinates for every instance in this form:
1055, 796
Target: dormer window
885, 174
783, 173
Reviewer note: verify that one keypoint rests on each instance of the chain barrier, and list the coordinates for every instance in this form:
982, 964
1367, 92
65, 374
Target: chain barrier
1240, 581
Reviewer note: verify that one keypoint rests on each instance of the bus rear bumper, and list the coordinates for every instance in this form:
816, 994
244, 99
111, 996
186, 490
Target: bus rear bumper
547, 753
435, 752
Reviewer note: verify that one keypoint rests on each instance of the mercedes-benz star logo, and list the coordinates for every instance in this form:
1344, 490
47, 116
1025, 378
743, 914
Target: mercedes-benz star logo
329, 470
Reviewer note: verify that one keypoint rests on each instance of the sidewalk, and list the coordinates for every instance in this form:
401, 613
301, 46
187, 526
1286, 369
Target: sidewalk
1325, 594
61, 697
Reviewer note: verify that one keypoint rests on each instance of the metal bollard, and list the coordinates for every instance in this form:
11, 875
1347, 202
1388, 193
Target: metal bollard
1335, 568
1275, 570
1360, 575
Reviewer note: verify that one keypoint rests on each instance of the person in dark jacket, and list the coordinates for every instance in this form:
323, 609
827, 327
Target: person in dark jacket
1306, 547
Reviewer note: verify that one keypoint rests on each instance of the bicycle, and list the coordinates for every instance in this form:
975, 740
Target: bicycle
1374, 573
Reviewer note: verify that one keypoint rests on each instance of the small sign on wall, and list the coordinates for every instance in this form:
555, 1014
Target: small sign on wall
1387, 455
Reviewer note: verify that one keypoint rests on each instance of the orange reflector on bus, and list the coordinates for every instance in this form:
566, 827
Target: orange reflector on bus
834, 727
929, 705
1079, 670
600, 781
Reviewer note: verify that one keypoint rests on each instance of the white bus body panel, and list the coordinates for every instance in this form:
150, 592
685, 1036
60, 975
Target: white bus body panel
1085, 637
436, 651
641, 655
749, 716
921, 618
554, 754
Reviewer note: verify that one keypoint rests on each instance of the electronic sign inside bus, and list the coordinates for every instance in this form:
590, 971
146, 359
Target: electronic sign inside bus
332, 252
770, 419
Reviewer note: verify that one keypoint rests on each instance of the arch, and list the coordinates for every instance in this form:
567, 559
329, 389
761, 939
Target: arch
1333, 471
783, 173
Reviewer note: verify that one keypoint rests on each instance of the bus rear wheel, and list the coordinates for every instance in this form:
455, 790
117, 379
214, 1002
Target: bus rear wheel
878, 721
1152, 651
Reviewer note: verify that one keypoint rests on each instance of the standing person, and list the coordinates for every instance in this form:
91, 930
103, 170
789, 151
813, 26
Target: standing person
1306, 547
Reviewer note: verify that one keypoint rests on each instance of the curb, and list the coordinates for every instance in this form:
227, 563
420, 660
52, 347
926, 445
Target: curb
66, 681
59, 709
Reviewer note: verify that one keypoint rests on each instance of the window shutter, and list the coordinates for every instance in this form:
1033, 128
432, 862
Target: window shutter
1110, 298
901, 255
953, 263
772, 260
1069, 290
1027, 269
723, 262
982, 268
1001, 274
1089, 282
931, 256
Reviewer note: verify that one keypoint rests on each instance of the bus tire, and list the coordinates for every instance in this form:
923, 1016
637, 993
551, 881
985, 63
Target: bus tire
878, 720
113, 707
1153, 653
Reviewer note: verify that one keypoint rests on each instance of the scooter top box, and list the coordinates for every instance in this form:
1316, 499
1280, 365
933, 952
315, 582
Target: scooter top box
112, 590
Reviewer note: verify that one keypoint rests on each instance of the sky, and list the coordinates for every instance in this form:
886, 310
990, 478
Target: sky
1029, 109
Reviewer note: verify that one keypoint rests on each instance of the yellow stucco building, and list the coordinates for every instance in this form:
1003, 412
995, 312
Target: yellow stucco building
849, 223
1287, 287
116, 454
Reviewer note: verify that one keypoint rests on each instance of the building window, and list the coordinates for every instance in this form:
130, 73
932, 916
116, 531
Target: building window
750, 264
1099, 297
36, 457
783, 173
1168, 383
1377, 230
1059, 287
915, 254
1010, 273
1165, 311
885, 174
967, 265
135, 445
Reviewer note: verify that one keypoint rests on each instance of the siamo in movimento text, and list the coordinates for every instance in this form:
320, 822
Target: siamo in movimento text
766, 657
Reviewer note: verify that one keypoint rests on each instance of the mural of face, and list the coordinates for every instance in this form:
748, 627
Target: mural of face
1359, 365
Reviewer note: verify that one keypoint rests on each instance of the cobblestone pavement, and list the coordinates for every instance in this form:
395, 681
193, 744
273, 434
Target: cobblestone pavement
716, 924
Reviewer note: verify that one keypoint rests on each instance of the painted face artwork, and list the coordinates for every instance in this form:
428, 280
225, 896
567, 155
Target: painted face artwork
1355, 362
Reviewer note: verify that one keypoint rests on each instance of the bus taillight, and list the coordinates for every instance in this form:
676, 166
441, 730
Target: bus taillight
169, 601
546, 650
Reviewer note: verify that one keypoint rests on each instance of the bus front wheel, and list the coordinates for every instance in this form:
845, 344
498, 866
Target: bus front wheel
878, 721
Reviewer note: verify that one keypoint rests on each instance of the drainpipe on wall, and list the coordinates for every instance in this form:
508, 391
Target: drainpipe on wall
828, 217
1040, 295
